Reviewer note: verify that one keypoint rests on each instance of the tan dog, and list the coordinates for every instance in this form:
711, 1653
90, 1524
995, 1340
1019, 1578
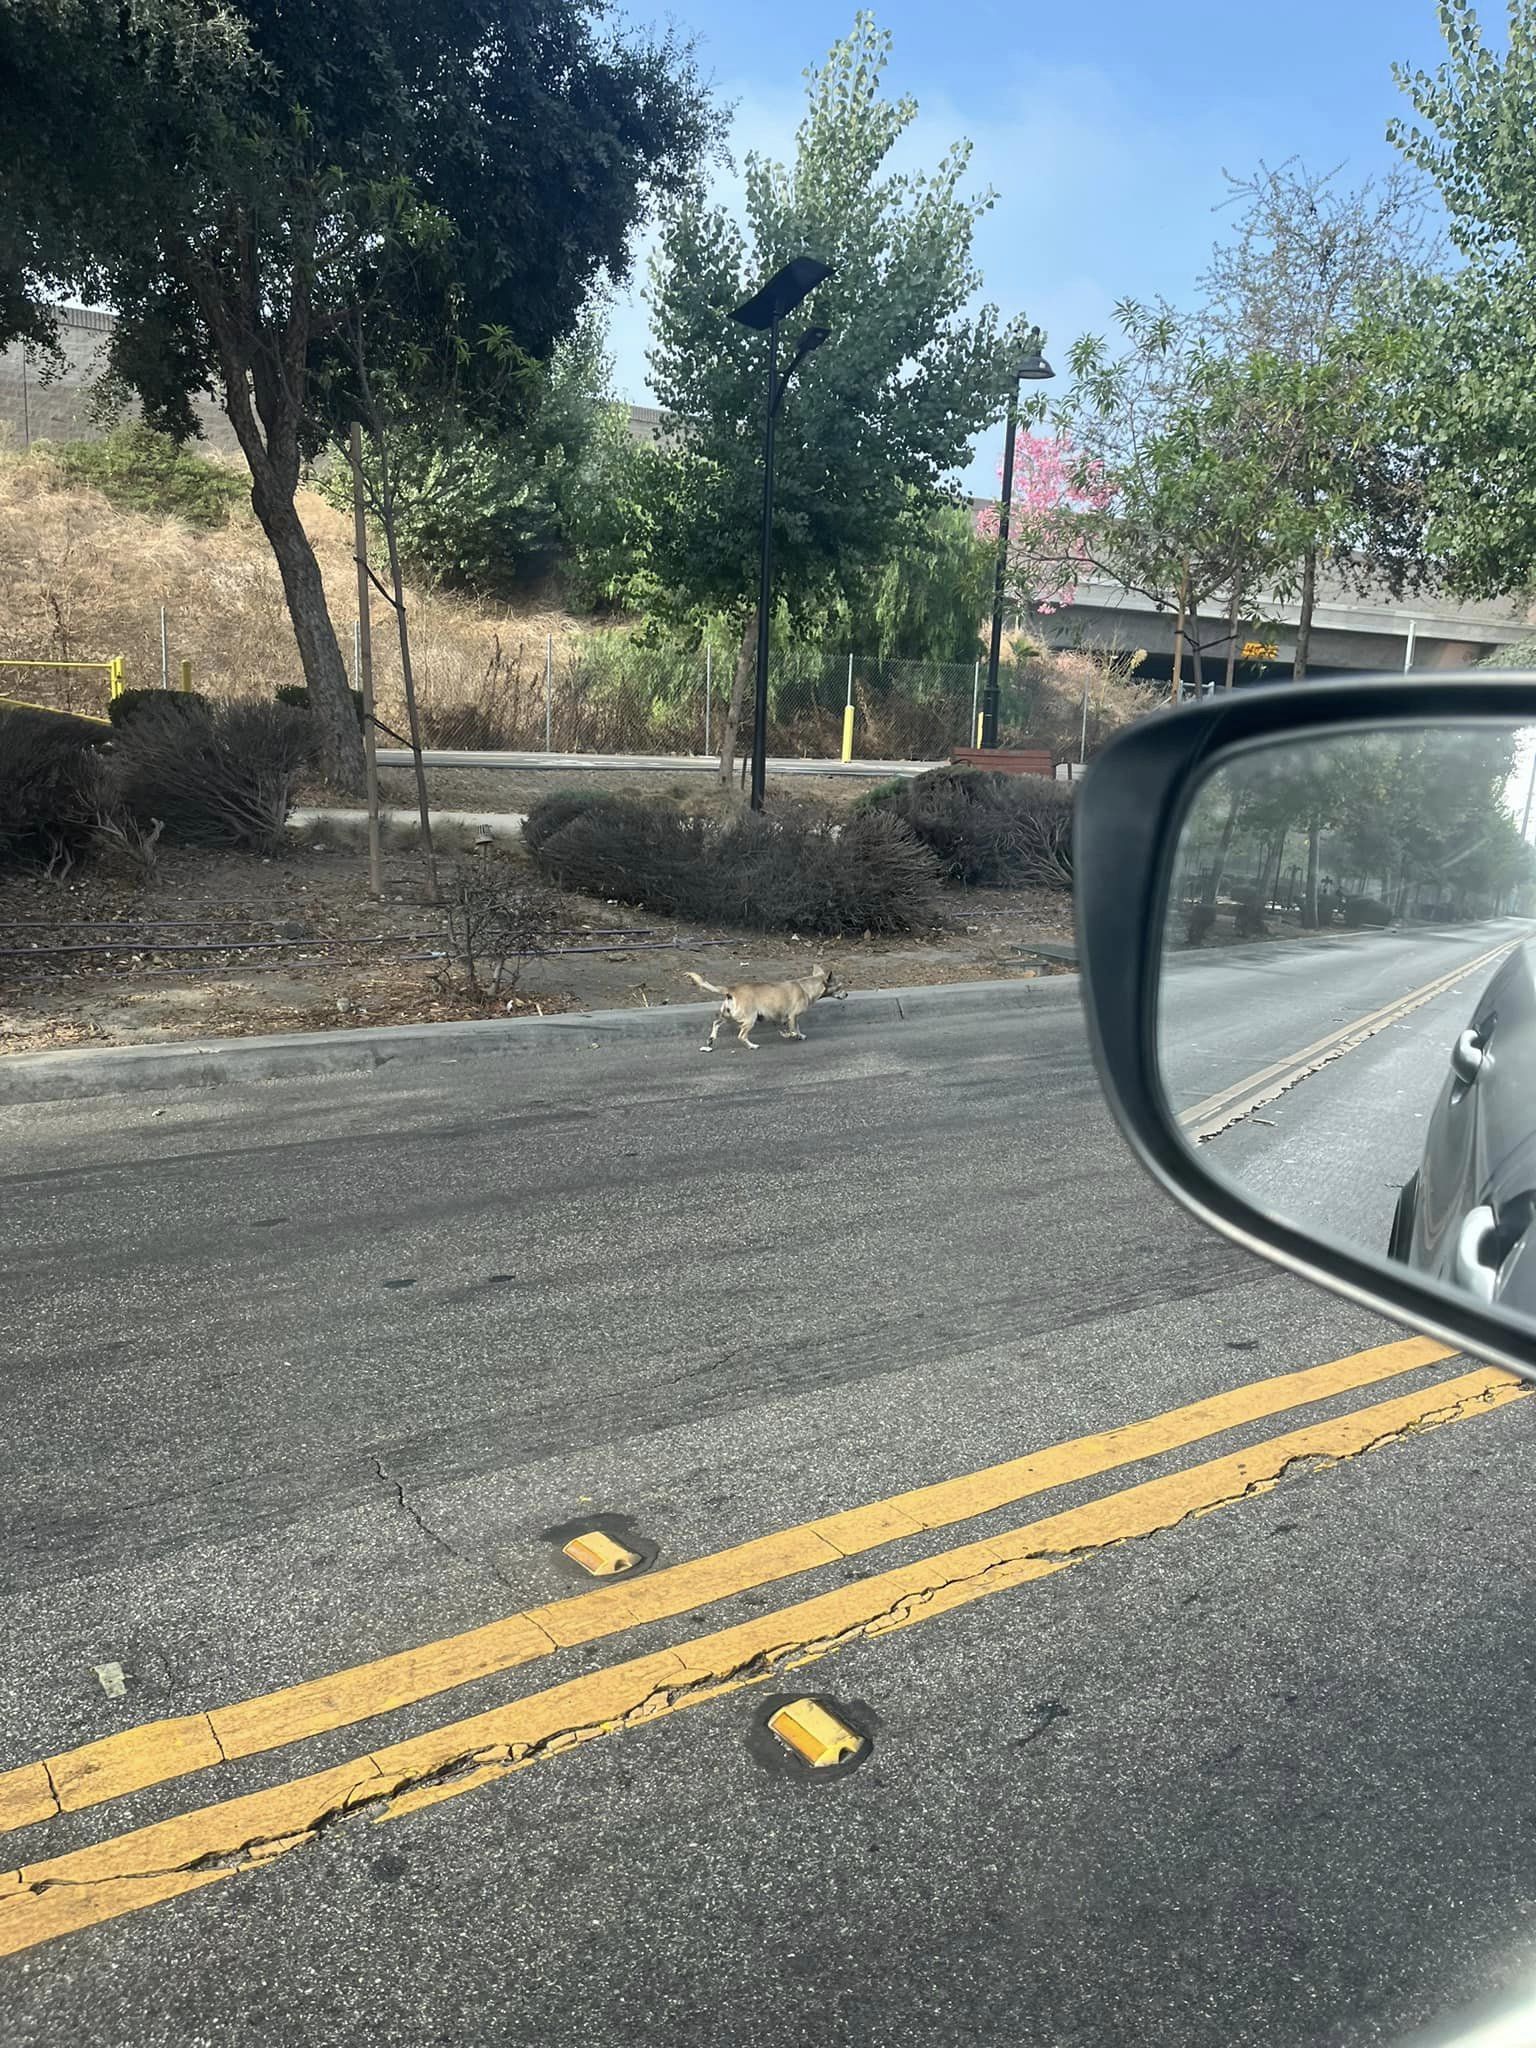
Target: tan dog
782, 1002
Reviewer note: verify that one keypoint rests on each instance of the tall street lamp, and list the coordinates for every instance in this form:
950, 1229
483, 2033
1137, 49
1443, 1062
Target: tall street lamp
780, 295
1031, 368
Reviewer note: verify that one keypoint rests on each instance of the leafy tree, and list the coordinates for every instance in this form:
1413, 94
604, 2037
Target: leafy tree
1462, 350
924, 601
239, 181
1176, 483
1285, 296
491, 511
878, 420
1054, 496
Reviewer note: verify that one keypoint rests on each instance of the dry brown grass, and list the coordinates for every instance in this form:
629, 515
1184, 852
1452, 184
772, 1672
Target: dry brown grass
82, 580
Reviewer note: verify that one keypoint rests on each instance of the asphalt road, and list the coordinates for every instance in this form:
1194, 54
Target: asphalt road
302, 1375
1332, 1152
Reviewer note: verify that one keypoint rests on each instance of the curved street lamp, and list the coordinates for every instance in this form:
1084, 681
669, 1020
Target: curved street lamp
764, 310
1031, 368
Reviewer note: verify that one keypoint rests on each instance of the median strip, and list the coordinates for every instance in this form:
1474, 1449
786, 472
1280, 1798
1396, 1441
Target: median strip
161, 1751
1228, 1105
61, 1894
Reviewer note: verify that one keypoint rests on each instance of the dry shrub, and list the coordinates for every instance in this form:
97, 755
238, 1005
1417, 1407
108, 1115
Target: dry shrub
798, 870
1056, 683
985, 831
49, 790
497, 921
226, 778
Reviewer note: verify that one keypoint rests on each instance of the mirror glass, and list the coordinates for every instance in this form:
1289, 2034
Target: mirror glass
1347, 1005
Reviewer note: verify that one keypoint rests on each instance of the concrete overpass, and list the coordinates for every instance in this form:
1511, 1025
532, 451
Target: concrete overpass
1350, 632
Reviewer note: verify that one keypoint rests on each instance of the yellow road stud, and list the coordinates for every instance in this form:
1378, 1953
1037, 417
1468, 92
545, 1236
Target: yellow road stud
806, 1727
600, 1555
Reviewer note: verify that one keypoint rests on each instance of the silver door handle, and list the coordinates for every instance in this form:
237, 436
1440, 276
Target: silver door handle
1467, 1056
1472, 1273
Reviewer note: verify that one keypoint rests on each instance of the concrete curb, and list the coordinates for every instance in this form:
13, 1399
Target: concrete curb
143, 1069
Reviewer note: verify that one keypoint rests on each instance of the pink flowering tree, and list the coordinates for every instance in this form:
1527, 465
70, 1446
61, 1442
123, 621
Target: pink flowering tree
1057, 495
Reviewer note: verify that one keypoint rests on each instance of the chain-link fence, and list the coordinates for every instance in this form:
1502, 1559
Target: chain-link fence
599, 693
607, 694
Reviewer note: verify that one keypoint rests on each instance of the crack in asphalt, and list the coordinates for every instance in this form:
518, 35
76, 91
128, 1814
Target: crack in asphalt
474, 1564
381, 1789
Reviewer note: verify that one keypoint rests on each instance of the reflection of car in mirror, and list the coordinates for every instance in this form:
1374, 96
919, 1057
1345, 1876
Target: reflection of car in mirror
1465, 1214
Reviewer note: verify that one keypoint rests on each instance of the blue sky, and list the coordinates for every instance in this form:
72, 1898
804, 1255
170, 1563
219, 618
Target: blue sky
1104, 128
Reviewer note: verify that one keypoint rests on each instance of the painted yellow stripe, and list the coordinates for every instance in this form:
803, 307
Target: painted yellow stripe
63, 1893
1205, 1119
163, 1750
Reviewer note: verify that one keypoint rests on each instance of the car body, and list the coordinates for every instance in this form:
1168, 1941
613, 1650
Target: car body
1465, 1215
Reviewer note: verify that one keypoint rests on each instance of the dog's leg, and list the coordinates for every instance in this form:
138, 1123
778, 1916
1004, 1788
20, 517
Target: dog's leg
720, 1017
791, 1026
744, 1035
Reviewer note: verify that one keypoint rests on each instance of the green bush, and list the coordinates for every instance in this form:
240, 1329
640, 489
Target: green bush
986, 831
226, 779
128, 704
1365, 913
796, 870
48, 788
147, 472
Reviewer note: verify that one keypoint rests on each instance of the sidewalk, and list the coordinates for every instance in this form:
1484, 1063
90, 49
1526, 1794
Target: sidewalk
699, 764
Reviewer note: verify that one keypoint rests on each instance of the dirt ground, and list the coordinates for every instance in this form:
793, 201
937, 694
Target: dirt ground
297, 944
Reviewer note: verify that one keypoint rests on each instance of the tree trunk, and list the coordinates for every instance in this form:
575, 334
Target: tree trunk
407, 673
1272, 874
1178, 640
746, 672
338, 734
1309, 910
1308, 606
1196, 663
1232, 618
1212, 888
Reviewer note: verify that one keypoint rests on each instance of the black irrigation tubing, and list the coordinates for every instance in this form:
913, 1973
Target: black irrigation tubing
407, 959
277, 945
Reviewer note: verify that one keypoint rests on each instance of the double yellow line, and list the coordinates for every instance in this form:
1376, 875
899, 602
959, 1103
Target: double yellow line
1241, 1098
208, 1844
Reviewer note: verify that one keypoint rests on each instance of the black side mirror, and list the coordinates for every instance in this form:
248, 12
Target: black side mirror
1307, 920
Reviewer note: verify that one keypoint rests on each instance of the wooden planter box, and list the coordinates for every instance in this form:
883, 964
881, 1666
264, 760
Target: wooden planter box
1000, 761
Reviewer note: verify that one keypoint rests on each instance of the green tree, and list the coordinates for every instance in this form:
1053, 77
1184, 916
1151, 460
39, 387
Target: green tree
1285, 296
1462, 350
241, 180
1177, 474
876, 422
491, 510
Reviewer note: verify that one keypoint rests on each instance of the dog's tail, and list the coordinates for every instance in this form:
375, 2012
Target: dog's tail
706, 984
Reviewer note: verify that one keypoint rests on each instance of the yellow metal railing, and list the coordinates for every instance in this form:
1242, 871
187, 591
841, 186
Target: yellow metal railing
112, 669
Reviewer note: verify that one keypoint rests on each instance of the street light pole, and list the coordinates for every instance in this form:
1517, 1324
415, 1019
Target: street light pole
1032, 368
764, 310
765, 581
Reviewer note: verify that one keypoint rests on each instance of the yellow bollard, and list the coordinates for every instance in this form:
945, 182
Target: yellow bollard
114, 676
847, 732
981, 719
186, 675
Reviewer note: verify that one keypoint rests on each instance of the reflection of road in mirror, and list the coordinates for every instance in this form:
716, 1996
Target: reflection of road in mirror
1346, 937
1347, 1128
